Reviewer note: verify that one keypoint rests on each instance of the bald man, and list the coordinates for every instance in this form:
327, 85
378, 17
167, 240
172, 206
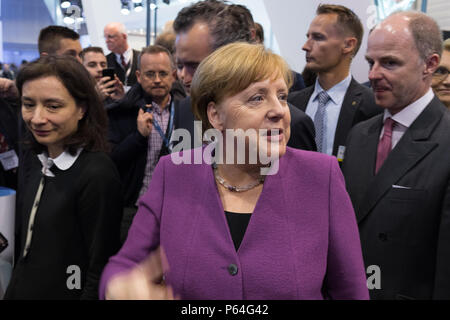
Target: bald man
123, 59
397, 165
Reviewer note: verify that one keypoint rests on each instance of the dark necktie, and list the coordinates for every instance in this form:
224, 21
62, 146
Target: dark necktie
320, 122
385, 143
122, 60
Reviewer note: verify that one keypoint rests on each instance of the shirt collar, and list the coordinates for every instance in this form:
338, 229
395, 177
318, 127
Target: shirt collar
410, 113
127, 55
158, 108
63, 162
336, 93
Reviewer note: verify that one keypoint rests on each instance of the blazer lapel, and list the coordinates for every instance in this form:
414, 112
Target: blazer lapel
350, 104
410, 150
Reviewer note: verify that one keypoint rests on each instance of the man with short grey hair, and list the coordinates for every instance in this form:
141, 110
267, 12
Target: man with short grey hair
123, 59
397, 164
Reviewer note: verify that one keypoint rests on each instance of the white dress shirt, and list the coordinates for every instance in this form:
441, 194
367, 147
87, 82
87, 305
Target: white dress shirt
333, 108
407, 116
128, 56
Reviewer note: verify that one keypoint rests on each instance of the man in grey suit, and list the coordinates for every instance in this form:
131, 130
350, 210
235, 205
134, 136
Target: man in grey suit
397, 164
337, 101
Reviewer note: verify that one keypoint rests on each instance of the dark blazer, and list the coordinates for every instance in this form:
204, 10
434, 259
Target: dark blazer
358, 105
9, 128
302, 127
112, 63
403, 212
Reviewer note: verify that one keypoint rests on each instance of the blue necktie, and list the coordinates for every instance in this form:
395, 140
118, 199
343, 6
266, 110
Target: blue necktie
320, 122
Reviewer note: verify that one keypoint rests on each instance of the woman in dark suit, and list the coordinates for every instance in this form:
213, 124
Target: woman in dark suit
230, 227
69, 207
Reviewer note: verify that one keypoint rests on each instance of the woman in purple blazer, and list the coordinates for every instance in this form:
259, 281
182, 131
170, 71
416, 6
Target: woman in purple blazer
234, 228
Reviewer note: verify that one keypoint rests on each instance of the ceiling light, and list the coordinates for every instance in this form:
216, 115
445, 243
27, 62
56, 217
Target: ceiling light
125, 9
138, 7
68, 20
65, 4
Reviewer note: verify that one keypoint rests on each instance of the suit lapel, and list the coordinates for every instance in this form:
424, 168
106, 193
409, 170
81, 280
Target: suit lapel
350, 104
409, 151
301, 100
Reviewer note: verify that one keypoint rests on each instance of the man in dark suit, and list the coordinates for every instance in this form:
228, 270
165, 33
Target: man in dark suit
200, 29
333, 39
123, 59
397, 164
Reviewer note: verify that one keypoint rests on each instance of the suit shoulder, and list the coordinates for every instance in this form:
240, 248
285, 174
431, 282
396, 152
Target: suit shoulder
298, 158
97, 163
300, 95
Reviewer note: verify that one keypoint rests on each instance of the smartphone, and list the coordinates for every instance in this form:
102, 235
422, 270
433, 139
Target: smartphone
3, 243
108, 72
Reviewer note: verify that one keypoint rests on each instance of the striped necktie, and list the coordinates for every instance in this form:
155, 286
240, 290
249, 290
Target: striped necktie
320, 122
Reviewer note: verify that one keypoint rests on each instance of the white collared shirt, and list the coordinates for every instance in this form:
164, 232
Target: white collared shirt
63, 162
333, 109
405, 118
128, 56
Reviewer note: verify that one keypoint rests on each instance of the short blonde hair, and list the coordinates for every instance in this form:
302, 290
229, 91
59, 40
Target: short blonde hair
230, 70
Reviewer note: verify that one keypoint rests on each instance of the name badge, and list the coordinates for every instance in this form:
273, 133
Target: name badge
9, 160
341, 153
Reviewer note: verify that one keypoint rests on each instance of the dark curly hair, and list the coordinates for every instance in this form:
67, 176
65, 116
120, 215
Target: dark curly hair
91, 133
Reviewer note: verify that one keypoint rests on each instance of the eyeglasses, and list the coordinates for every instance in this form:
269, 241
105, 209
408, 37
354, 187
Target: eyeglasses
152, 75
441, 73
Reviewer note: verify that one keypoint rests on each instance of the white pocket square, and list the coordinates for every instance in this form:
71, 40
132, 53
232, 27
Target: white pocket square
399, 187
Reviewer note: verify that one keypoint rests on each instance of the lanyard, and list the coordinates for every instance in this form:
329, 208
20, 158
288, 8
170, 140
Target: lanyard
169, 130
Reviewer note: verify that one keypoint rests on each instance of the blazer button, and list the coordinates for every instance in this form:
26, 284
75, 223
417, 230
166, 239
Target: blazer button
233, 269
382, 237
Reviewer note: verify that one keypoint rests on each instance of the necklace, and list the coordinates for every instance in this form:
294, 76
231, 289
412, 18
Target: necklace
231, 188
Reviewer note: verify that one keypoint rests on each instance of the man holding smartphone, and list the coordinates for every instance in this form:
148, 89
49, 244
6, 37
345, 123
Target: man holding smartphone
141, 124
108, 84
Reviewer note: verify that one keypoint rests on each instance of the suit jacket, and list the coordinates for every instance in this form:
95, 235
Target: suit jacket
302, 127
403, 212
358, 105
301, 242
112, 63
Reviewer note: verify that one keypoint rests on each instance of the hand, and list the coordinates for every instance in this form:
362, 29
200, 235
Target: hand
8, 89
119, 90
105, 87
144, 122
143, 282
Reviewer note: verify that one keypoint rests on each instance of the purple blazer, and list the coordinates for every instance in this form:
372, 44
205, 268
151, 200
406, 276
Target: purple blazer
302, 240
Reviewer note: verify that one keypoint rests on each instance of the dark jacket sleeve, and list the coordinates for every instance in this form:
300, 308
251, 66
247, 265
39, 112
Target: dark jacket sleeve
100, 212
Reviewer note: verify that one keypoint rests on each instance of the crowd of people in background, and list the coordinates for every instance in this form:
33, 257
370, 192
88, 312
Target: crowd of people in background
362, 174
